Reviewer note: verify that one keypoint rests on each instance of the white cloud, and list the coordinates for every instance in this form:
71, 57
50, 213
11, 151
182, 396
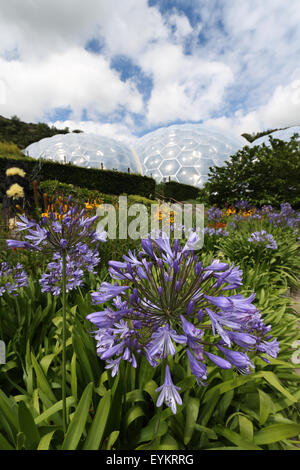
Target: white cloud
182, 25
185, 87
244, 65
281, 110
74, 78
118, 131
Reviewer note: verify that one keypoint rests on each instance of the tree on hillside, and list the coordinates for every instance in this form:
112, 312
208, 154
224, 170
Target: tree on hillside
261, 175
256, 135
23, 134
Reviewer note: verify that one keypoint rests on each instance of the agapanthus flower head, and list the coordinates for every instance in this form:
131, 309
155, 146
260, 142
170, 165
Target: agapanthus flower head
214, 214
287, 217
12, 278
264, 239
217, 232
163, 301
79, 259
242, 205
58, 231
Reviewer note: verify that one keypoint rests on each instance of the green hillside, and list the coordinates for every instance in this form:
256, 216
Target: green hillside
23, 134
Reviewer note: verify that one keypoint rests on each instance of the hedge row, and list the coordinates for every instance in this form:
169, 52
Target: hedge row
106, 181
177, 191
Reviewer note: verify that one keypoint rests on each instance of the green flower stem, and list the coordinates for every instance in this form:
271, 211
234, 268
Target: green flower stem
64, 294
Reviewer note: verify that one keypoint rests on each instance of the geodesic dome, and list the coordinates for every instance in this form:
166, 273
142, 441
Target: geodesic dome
86, 150
284, 134
184, 152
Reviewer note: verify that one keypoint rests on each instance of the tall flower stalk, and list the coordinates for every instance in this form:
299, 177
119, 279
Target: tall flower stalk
163, 301
69, 236
64, 340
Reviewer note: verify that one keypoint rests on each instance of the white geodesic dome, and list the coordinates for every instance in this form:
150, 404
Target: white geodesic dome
284, 134
86, 150
184, 152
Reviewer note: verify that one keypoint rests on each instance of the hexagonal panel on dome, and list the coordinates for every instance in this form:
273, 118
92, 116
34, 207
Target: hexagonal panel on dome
169, 167
86, 150
188, 175
195, 147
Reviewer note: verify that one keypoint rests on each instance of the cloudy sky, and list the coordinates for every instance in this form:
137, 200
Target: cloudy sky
125, 67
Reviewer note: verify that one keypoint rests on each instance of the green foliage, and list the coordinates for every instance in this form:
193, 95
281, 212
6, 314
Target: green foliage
108, 181
172, 190
256, 135
255, 412
261, 175
283, 261
23, 134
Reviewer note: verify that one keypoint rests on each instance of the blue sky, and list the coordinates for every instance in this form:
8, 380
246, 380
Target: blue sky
125, 67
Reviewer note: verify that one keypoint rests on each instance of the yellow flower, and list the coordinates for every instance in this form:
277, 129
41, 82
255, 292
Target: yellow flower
15, 171
15, 191
230, 211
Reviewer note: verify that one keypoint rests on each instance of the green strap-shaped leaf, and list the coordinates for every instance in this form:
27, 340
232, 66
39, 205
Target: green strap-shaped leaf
275, 433
246, 428
42, 381
134, 413
148, 432
4, 444
226, 386
53, 410
168, 443
28, 427
96, 431
150, 388
112, 439
265, 406
79, 420
135, 395
237, 439
8, 412
44, 443
210, 433
208, 409
272, 379
46, 362
74, 377
192, 410
82, 357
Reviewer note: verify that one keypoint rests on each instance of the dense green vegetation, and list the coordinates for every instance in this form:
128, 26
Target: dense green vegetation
259, 411
260, 175
114, 182
256, 135
23, 134
171, 190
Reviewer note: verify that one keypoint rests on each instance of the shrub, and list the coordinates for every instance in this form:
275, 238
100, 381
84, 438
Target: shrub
261, 175
108, 181
177, 191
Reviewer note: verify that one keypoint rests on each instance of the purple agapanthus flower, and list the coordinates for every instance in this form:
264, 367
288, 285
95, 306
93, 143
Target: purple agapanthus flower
214, 214
12, 278
168, 393
53, 235
164, 301
80, 259
263, 239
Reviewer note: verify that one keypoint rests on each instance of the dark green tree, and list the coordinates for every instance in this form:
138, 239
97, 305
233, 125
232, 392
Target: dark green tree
261, 175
